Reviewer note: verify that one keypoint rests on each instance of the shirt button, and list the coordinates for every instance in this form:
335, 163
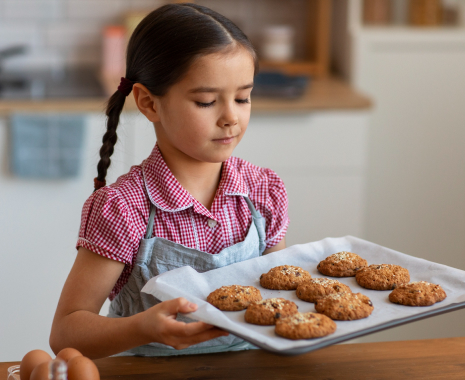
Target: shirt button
212, 223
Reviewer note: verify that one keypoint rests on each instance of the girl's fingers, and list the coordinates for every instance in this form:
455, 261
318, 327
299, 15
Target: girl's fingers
181, 329
174, 306
185, 335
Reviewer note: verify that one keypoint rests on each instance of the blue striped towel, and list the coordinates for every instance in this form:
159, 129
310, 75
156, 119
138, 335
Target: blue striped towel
46, 145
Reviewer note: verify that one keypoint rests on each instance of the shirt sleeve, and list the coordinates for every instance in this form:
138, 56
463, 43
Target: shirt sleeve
106, 226
274, 208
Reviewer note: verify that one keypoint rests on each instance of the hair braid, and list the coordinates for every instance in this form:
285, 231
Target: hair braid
113, 112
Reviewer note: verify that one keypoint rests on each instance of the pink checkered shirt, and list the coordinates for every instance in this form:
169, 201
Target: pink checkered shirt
114, 219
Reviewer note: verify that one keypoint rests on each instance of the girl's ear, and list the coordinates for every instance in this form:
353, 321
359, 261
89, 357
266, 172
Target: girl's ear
145, 101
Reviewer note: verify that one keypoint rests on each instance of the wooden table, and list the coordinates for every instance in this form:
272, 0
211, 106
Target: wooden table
442, 359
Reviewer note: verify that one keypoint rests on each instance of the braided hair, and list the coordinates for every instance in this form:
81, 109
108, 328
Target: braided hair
160, 51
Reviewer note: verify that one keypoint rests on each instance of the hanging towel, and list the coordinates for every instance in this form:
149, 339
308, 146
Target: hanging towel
46, 145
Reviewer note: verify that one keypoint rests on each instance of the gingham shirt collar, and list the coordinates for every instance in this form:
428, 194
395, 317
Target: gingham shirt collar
167, 194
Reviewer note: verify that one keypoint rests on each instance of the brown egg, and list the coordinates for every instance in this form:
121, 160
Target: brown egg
81, 367
31, 360
68, 353
40, 372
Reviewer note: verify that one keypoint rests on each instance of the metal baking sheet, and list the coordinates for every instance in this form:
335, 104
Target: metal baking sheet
186, 282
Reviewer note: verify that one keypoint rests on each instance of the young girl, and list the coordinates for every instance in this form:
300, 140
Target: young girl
191, 72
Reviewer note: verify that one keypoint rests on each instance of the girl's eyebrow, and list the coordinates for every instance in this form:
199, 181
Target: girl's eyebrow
213, 89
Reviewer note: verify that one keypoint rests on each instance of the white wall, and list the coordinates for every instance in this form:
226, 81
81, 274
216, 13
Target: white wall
416, 155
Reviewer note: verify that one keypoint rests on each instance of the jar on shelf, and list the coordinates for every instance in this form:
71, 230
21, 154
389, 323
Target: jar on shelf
425, 12
277, 43
114, 51
377, 12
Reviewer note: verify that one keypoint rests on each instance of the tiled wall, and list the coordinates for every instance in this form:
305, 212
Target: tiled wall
60, 31
68, 32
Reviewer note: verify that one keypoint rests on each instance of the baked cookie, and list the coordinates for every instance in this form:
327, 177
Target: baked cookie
305, 326
267, 312
315, 288
341, 264
420, 293
344, 306
382, 276
234, 297
284, 277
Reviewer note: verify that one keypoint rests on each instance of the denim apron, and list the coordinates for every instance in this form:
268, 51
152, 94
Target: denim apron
157, 255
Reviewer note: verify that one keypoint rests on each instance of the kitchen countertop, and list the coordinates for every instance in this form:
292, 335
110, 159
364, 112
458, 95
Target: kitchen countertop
415, 359
322, 94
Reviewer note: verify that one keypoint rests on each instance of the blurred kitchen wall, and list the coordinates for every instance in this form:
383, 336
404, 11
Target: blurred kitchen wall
61, 32
415, 75
68, 32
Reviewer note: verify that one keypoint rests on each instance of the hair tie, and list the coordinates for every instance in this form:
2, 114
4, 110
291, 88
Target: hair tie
98, 184
125, 86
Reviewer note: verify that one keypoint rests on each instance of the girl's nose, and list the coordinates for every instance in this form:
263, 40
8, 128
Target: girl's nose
228, 117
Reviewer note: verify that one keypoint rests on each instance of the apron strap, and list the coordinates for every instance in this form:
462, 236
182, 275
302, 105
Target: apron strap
148, 233
252, 207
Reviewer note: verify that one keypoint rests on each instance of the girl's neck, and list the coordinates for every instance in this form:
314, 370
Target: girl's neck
200, 179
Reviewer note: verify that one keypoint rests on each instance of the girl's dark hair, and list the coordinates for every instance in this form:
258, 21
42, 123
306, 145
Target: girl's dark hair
159, 53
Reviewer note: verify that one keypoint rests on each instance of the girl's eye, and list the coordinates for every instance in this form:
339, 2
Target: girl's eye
243, 101
204, 105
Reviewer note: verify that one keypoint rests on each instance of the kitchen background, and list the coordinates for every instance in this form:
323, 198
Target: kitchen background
373, 149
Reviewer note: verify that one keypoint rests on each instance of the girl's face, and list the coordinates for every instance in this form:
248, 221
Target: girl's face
205, 115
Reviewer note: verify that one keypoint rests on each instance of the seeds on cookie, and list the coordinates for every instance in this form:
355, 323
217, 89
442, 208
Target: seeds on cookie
419, 293
315, 288
305, 326
268, 311
345, 306
382, 276
341, 264
234, 297
284, 277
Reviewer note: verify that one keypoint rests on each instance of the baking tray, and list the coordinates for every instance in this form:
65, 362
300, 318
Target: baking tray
188, 283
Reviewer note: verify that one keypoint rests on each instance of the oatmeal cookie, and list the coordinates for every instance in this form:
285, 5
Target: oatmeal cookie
344, 306
315, 288
305, 326
341, 264
284, 277
382, 276
420, 293
267, 312
234, 297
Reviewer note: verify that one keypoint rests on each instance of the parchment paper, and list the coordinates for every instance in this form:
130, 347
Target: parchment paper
186, 282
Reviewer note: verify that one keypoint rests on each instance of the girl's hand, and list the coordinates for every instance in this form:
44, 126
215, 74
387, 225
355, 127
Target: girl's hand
159, 324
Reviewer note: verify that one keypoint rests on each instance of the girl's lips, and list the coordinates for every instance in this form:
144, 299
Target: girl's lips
227, 140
